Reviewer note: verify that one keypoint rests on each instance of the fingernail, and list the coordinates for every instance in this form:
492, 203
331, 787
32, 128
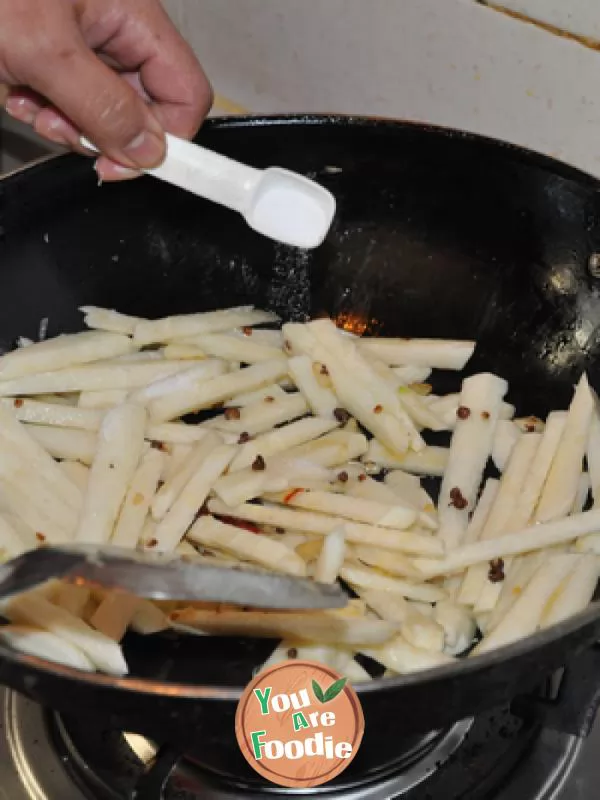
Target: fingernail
53, 128
110, 171
146, 150
22, 109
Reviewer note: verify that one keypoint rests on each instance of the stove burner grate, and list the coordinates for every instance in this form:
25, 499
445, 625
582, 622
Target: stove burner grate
498, 756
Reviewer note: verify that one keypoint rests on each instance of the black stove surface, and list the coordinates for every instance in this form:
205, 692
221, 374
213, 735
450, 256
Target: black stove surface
501, 757
537, 749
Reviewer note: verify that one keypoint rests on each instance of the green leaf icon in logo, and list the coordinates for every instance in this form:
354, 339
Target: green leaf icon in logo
331, 693
334, 690
318, 692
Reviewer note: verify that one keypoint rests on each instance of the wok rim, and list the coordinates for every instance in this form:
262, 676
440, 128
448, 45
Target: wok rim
462, 666
528, 155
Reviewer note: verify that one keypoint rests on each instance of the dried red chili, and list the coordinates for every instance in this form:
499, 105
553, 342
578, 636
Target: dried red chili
290, 495
239, 523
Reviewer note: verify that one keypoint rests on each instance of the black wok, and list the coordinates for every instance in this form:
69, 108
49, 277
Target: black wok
438, 233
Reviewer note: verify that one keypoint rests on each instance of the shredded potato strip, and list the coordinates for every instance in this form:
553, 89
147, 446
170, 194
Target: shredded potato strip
120, 444
591, 543
405, 541
499, 515
524, 618
321, 399
281, 439
171, 529
16, 435
326, 627
561, 485
66, 443
353, 508
522, 511
185, 325
432, 353
61, 415
575, 593
273, 391
42, 644
415, 406
142, 489
543, 535
175, 433
92, 378
232, 348
18, 504
363, 392
63, 352
12, 542
431, 460
33, 609
506, 437
261, 416
470, 449
204, 394
180, 382
368, 579
114, 614
17, 473
108, 320
101, 400
339, 659
247, 546
402, 658
180, 477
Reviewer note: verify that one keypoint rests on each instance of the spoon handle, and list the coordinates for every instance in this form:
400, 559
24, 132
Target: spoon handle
204, 173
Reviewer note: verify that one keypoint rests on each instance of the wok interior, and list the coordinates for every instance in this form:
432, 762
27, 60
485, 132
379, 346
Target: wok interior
436, 235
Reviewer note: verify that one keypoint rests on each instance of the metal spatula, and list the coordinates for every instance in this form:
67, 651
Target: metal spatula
164, 577
275, 202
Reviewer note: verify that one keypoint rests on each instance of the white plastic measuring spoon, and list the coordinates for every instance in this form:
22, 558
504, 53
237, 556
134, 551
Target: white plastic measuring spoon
275, 202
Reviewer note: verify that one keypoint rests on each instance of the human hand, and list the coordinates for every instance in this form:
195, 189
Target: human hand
115, 71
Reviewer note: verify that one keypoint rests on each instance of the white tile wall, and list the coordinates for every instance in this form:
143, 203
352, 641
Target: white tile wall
450, 62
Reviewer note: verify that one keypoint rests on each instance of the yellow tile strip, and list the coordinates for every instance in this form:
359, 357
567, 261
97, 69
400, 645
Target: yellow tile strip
226, 106
593, 44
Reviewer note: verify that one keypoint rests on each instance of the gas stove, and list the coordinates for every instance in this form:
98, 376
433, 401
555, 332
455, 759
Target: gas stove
538, 749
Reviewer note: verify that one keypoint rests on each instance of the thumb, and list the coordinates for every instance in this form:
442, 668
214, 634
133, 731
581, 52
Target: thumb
104, 107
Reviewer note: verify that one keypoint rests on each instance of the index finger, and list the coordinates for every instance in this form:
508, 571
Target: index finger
144, 40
